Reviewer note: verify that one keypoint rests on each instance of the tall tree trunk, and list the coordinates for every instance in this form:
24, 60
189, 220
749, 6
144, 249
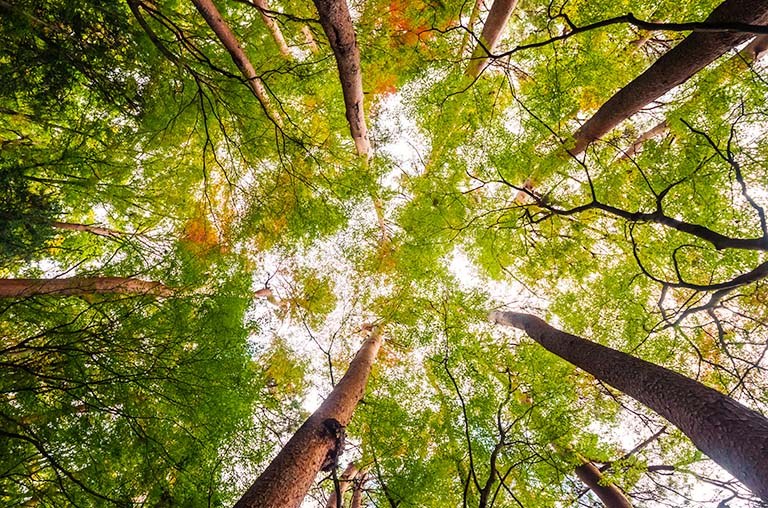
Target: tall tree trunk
494, 25
288, 477
672, 69
756, 49
228, 39
87, 228
473, 16
731, 434
337, 24
610, 495
357, 492
345, 481
78, 286
274, 28
655, 131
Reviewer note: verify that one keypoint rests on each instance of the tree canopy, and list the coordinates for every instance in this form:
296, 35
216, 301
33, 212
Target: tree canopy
208, 205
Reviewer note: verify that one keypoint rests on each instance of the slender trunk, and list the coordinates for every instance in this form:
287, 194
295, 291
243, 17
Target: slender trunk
274, 28
494, 25
731, 434
87, 228
288, 477
655, 131
473, 16
610, 495
345, 481
309, 39
357, 492
77, 286
673, 68
212, 16
337, 24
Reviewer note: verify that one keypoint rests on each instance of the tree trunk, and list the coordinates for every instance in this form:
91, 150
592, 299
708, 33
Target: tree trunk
673, 68
756, 49
78, 286
357, 492
212, 16
337, 24
494, 25
473, 16
288, 477
655, 131
731, 434
610, 495
274, 28
345, 481
87, 228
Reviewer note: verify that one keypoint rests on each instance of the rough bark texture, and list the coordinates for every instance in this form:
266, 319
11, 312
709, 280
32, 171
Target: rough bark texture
288, 477
731, 434
673, 68
228, 39
610, 495
345, 481
75, 286
337, 25
492, 30
274, 28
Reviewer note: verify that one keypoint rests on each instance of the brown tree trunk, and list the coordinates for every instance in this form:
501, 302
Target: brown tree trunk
731, 434
77, 286
228, 39
310, 40
473, 16
610, 495
756, 49
288, 477
494, 25
345, 481
274, 28
337, 24
87, 228
672, 69
655, 131
357, 492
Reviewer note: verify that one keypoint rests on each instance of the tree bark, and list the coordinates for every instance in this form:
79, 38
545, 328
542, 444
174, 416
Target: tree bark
610, 495
357, 492
337, 25
288, 477
228, 39
673, 68
473, 16
273, 27
655, 131
77, 286
345, 481
494, 25
731, 434
87, 228
756, 49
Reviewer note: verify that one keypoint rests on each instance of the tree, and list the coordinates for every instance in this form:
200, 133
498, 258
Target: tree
731, 434
673, 68
320, 439
610, 495
79, 286
493, 28
207, 146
